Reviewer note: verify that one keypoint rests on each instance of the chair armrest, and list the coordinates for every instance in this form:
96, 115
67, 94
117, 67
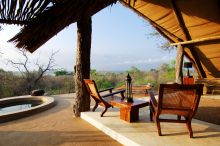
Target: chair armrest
152, 98
106, 89
113, 93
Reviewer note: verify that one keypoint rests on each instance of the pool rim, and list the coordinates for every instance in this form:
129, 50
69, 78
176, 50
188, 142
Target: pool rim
47, 102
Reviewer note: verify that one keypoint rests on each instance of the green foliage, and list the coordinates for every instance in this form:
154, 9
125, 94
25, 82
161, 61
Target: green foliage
61, 72
104, 79
8, 86
138, 77
14, 85
6, 91
58, 84
133, 70
103, 84
165, 73
120, 84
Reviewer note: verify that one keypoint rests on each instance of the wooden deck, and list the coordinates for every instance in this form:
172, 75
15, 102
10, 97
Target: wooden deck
144, 132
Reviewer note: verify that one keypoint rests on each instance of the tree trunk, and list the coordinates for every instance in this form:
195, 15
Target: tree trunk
82, 68
179, 64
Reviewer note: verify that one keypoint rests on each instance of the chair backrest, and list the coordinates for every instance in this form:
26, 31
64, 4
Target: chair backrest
92, 88
179, 97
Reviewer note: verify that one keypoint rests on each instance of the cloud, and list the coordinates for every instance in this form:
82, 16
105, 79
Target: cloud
146, 61
123, 62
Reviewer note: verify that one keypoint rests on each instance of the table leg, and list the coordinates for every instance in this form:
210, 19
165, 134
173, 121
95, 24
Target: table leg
129, 115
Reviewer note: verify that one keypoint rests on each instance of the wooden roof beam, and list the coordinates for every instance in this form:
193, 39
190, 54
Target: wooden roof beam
188, 37
201, 40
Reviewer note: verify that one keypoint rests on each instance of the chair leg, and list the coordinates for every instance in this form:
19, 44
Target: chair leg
188, 124
94, 108
151, 113
158, 127
104, 111
122, 96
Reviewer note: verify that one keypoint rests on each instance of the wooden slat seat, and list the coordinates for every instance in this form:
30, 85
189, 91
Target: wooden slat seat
175, 99
102, 100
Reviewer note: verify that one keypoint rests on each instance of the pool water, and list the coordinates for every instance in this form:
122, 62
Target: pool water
17, 106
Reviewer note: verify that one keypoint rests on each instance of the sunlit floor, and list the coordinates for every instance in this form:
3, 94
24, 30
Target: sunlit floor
144, 132
54, 127
58, 127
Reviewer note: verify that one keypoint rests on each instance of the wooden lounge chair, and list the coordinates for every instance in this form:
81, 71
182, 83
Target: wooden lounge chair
175, 99
102, 100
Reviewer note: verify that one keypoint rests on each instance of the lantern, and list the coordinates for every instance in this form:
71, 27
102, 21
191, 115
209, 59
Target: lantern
187, 65
128, 86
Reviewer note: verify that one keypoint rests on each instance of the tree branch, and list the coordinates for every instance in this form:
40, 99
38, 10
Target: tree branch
32, 77
50, 66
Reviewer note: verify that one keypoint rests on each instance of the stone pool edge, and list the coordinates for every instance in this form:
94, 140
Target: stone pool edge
48, 102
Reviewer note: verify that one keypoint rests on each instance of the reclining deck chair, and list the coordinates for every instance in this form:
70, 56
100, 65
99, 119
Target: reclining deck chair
175, 99
103, 100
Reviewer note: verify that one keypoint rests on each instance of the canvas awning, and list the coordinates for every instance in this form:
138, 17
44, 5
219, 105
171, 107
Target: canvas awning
184, 20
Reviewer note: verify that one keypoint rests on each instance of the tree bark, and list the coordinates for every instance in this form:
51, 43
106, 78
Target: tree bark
82, 68
179, 64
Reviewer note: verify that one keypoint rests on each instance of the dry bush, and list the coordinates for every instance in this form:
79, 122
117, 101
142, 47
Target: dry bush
57, 84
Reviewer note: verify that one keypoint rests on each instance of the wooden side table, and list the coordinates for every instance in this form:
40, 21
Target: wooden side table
129, 111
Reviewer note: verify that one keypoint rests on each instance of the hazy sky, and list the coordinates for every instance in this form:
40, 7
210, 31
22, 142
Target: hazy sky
120, 39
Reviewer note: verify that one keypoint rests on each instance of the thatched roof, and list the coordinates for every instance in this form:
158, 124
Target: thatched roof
54, 19
195, 23
22, 11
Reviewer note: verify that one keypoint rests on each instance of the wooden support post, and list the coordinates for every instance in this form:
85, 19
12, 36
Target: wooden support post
82, 68
179, 64
185, 31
